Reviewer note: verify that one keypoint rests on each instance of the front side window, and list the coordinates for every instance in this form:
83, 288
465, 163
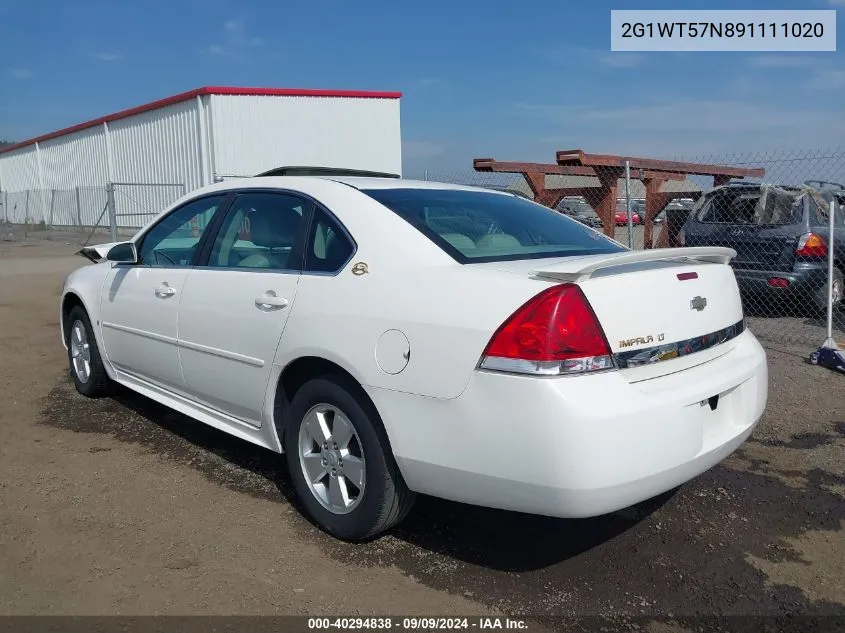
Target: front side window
474, 226
174, 240
260, 232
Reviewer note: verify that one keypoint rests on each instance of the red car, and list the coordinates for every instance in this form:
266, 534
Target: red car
621, 218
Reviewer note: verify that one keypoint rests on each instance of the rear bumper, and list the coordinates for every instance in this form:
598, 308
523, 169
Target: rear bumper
803, 284
576, 447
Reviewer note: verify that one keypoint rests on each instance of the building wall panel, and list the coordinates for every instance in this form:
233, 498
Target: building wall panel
252, 134
19, 174
75, 169
19, 169
75, 160
155, 156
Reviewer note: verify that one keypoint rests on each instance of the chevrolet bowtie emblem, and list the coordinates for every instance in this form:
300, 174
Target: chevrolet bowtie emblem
698, 303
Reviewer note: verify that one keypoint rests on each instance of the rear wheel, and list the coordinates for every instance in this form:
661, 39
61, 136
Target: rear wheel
820, 298
340, 461
86, 367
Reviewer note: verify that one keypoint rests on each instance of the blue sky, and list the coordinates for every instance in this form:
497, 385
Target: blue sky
478, 79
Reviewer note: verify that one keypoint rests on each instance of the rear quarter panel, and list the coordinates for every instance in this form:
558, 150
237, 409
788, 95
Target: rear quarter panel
447, 313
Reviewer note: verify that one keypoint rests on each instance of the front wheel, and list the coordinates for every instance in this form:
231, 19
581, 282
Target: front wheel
340, 461
86, 367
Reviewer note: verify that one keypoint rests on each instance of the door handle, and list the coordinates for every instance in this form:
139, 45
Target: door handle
269, 301
164, 291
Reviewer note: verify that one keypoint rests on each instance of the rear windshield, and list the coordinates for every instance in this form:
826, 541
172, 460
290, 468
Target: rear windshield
474, 226
766, 205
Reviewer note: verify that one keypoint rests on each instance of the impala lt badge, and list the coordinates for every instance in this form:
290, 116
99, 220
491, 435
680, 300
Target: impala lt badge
641, 340
698, 303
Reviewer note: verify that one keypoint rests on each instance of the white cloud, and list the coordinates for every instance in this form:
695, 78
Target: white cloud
108, 57
622, 60
236, 40
828, 79
689, 127
20, 73
782, 61
425, 82
421, 149
582, 55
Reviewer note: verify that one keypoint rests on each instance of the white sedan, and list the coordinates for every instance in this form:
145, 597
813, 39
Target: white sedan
395, 337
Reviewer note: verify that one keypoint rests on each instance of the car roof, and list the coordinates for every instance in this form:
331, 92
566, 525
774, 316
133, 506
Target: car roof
358, 182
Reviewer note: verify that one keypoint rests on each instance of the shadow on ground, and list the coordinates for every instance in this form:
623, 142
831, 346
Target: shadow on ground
679, 554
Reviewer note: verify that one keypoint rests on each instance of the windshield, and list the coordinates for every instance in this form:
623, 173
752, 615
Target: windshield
474, 226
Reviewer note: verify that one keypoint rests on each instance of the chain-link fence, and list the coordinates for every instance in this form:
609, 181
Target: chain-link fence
119, 208
135, 204
773, 209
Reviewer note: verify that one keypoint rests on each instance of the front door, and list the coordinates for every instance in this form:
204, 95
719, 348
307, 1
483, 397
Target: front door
235, 305
139, 306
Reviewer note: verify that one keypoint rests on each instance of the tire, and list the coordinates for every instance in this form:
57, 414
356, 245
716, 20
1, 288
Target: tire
83, 352
820, 298
383, 499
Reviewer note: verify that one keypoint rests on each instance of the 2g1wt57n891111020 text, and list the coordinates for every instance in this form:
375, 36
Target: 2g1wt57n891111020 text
707, 31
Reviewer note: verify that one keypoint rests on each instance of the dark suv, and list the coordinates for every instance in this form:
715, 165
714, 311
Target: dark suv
780, 234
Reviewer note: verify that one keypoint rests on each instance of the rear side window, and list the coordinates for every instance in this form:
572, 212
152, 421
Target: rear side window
328, 247
764, 205
475, 226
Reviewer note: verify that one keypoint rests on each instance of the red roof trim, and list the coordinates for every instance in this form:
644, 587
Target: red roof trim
206, 90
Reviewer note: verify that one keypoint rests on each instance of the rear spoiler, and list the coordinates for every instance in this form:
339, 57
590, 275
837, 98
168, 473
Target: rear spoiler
569, 271
96, 252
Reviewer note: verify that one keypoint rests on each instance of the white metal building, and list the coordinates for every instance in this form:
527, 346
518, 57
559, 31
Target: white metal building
156, 152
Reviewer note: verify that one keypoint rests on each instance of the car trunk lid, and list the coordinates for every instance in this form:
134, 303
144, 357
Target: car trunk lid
662, 310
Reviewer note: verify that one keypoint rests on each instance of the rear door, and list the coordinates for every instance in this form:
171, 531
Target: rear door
236, 303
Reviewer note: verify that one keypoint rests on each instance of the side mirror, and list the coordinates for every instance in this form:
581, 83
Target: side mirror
123, 253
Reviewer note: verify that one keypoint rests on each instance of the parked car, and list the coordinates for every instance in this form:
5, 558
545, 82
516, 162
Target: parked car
780, 234
580, 211
395, 337
621, 215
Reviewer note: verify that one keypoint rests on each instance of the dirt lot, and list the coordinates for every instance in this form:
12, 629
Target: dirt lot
120, 507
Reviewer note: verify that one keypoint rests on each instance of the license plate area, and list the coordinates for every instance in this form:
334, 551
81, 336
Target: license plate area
717, 413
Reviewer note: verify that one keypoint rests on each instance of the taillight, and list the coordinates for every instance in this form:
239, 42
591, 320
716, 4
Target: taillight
811, 245
555, 333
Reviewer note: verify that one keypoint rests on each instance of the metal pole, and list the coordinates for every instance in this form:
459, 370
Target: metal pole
628, 204
78, 208
52, 204
829, 342
112, 210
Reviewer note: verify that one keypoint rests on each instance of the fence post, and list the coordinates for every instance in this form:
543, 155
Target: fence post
6, 207
112, 211
52, 206
829, 342
78, 209
628, 204
26, 209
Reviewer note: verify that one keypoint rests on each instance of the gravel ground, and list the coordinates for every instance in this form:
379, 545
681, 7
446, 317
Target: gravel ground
118, 506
